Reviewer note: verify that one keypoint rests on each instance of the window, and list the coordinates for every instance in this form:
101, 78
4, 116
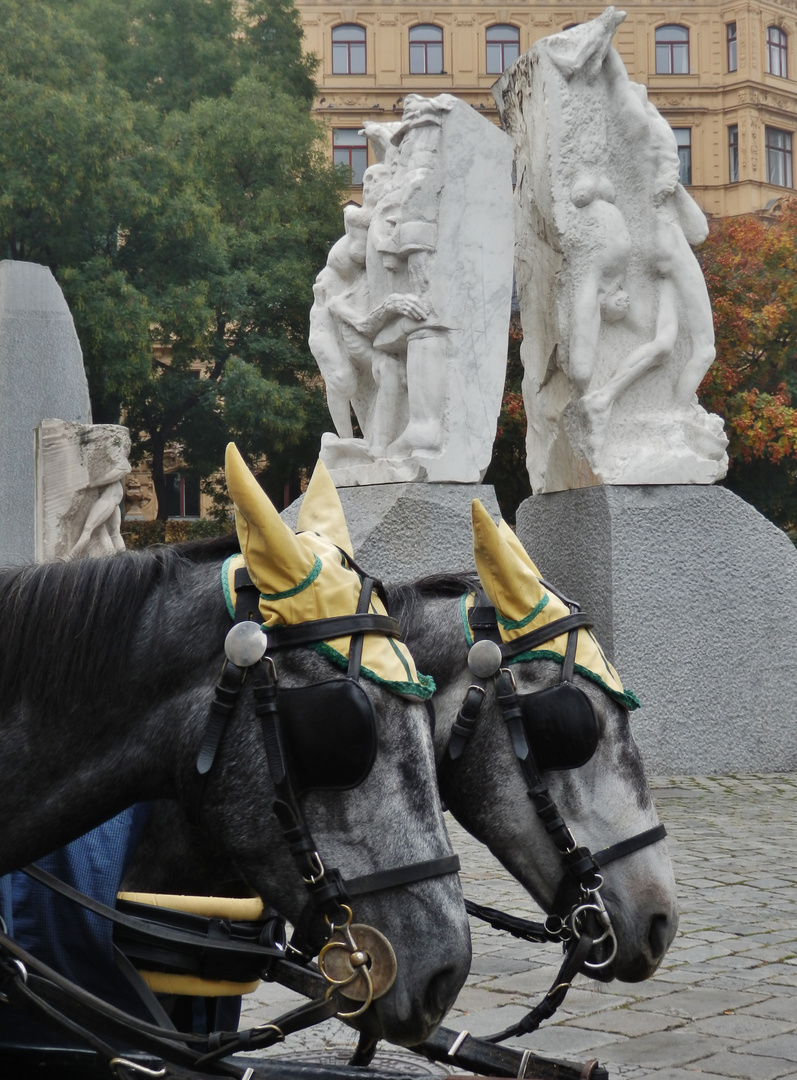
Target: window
733, 153
426, 50
182, 495
672, 50
348, 50
503, 47
350, 148
778, 149
683, 136
777, 52
730, 31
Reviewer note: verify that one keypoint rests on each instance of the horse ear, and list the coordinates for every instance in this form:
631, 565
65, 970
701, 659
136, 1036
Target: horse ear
274, 557
511, 539
507, 577
322, 511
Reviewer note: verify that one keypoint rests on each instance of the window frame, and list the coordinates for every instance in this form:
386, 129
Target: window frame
777, 41
783, 153
501, 44
420, 46
684, 154
733, 153
358, 145
186, 489
348, 44
731, 50
671, 45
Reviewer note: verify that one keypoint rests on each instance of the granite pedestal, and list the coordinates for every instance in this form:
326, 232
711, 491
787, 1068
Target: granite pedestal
694, 597
405, 531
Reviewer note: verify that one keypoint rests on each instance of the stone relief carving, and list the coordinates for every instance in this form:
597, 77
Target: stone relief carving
411, 311
80, 469
618, 331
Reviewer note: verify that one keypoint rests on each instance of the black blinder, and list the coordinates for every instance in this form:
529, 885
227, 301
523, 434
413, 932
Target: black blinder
329, 730
561, 726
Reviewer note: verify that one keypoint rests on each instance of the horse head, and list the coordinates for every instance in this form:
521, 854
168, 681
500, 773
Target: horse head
350, 763
536, 755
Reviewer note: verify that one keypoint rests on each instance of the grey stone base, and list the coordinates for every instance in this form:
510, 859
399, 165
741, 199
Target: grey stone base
694, 597
404, 531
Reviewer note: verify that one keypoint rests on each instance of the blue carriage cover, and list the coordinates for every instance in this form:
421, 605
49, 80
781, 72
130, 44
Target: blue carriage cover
76, 942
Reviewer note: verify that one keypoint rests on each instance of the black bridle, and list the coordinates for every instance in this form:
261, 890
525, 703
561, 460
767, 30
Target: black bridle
330, 896
587, 923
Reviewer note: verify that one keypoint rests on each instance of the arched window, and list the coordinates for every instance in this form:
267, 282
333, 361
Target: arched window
426, 50
348, 49
503, 47
777, 52
672, 50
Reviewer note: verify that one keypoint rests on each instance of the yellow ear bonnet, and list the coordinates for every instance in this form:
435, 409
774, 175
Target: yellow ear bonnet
306, 576
522, 604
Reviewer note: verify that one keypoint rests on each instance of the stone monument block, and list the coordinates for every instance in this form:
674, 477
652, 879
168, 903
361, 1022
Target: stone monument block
411, 314
693, 595
405, 531
41, 375
618, 331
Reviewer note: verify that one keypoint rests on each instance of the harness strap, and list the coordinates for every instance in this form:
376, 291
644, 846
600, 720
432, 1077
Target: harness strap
402, 875
574, 621
288, 637
629, 846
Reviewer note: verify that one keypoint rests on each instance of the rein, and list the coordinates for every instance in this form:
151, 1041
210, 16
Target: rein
587, 923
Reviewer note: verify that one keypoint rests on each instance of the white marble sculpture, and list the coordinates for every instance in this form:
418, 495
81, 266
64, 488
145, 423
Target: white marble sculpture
617, 322
80, 470
409, 325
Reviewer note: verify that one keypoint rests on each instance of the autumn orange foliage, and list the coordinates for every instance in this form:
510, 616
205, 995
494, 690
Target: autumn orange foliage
750, 266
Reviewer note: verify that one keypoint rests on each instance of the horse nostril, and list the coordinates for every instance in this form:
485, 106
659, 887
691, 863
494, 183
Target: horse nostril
442, 991
659, 936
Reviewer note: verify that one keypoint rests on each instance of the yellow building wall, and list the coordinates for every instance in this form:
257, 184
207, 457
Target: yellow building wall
707, 100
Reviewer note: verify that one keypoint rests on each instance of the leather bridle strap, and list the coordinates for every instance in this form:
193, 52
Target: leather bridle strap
288, 637
629, 846
574, 621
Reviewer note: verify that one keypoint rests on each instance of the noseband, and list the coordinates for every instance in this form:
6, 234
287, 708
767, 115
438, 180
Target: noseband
356, 959
562, 711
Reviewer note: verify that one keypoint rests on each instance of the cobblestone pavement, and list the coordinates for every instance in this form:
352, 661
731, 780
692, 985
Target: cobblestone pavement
724, 1002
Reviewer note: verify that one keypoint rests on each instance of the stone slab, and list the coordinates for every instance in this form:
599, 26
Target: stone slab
41, 376
405, 531
692, 592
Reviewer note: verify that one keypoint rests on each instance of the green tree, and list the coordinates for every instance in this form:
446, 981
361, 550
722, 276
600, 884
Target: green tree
160, 157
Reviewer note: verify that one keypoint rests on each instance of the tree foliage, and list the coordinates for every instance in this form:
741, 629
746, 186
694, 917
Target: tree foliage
160, 158
750, 266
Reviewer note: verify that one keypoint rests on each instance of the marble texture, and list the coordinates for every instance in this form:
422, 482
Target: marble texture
80, 470
411, 313
41, 375
618, 331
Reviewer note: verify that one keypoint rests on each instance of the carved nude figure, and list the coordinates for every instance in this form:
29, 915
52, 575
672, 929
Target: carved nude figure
679, 222
604, 245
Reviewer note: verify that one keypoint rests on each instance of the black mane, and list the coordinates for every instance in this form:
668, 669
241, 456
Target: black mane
64, 623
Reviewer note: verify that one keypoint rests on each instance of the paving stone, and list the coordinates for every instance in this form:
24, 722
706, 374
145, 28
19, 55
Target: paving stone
664, 1048
699, 1003
745, 1065
739, 1025
783, 1046
629, 1022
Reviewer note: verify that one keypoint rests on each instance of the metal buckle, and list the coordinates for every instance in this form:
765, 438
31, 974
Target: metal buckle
114, 1063
317, 871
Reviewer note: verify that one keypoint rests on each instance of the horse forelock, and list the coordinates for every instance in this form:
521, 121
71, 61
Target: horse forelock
69, 624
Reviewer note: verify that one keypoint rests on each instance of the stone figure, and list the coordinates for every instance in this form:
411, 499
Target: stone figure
411, 310
80, 474
618, 331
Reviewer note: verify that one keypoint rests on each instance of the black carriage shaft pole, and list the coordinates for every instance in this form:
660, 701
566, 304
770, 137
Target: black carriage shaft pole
485, 1058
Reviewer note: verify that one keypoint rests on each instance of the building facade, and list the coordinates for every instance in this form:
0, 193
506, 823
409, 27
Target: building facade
724, 76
